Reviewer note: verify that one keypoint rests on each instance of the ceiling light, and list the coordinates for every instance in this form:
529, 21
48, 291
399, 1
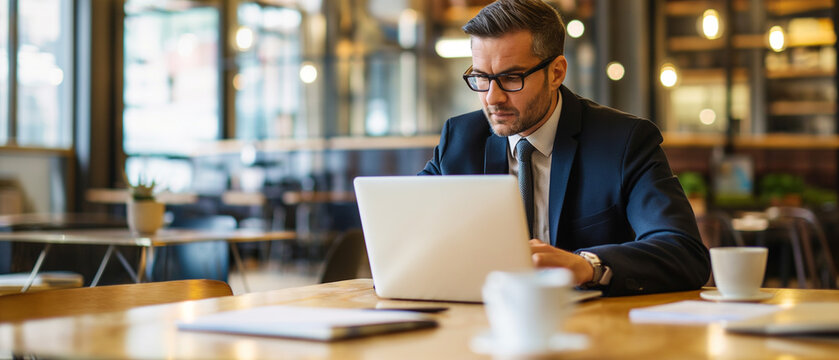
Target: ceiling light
711, 28
615, 71
668, 76
575, 28
777, 39
244, 38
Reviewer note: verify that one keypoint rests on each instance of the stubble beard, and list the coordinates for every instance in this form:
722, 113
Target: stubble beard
534, 112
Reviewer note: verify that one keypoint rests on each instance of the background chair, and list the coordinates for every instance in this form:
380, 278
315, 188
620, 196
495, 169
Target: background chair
716, 229
346, 258
811, 251
66, 302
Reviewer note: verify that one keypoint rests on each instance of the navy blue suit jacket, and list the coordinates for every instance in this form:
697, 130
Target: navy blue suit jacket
611, 193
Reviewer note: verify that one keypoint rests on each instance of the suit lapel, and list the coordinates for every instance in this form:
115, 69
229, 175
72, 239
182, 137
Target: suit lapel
562, 157
495, 155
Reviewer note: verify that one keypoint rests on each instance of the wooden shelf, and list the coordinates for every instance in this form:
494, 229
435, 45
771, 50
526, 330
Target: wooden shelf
243, 198
689, 8
383, 142
793, 108
799, 73
698, 43
298, 197
223, 147
775, 7
789, 7
232, 146
768, 141
710, 76
743, 41
676, 139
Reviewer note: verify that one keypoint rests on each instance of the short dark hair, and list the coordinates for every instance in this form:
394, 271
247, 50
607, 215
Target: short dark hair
505, 16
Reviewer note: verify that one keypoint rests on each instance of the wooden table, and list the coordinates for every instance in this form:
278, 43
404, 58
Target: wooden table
124, 237
41, 221
150, 332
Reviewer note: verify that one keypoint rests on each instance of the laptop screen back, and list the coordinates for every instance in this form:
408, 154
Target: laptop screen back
437, 237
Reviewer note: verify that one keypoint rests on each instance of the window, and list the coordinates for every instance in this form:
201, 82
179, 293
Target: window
4, 71
44, 69
43, 112
171, 89
269, 91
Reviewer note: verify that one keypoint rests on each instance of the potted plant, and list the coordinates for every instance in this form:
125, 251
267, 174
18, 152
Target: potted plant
144, 212
782, 189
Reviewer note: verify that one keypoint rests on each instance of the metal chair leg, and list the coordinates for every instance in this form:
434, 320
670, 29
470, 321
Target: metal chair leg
37, 268
102, 266
239, 265
127, 266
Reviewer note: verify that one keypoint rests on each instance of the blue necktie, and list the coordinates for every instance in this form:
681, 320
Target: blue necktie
524, 149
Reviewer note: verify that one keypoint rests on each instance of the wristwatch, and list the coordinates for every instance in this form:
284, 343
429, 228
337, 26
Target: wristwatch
602, 273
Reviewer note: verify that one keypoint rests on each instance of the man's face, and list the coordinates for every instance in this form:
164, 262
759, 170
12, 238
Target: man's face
524, 111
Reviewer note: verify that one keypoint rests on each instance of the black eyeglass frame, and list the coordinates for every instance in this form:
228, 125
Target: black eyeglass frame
521, 75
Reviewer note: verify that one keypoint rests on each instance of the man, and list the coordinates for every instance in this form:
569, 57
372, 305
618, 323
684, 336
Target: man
600, 196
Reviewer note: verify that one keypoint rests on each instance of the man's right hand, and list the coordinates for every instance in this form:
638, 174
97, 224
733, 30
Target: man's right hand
545, 255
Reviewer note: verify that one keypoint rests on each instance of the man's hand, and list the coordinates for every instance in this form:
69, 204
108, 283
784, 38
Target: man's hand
545, 255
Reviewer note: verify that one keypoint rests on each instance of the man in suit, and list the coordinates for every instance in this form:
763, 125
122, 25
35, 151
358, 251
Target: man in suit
600, 197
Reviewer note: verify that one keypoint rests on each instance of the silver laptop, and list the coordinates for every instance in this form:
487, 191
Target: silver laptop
437, 237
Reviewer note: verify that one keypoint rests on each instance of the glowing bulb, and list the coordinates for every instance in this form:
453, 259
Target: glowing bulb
244, 38
575, 28
777, 39
668, 76
308, 73
707, 116
711, 24
615, 71
238, 82
56, 76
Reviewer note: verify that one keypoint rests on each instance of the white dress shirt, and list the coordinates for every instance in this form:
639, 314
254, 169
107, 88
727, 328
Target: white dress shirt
543, 140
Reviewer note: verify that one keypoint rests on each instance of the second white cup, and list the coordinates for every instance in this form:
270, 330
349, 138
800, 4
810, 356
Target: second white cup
738, 271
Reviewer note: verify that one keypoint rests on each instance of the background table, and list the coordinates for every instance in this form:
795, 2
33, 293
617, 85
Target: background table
124, 237
150, 332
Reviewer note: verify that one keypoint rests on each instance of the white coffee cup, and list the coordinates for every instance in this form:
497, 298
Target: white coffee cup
738, 271
525, 309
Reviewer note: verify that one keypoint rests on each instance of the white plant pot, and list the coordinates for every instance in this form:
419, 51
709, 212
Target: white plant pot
145, 217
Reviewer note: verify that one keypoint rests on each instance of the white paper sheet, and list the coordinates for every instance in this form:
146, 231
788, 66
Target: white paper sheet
699, 312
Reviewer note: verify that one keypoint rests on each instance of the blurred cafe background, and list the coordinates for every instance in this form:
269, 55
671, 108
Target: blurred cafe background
259, 114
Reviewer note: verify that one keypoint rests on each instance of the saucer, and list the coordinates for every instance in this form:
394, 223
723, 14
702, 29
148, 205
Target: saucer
715, 295
485, 343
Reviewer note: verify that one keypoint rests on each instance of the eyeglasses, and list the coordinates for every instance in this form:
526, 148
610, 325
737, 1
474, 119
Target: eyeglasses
509, 82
